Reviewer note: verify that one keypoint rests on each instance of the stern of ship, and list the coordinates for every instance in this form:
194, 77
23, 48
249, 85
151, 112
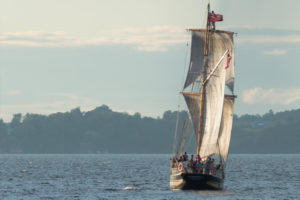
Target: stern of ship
188, 181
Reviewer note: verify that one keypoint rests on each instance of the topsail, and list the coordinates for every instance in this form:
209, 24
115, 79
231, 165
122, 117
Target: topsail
219, 42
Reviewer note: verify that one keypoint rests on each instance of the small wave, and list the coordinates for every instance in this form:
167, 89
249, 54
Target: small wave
130, 188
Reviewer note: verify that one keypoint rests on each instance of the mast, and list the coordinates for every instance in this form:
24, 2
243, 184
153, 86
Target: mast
201, 118
207, 31
206, 48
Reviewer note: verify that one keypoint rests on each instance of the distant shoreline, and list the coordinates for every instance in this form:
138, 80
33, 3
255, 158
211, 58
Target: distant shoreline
103, 131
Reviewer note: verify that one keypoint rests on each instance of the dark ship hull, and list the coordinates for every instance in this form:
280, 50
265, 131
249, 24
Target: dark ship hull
190, 181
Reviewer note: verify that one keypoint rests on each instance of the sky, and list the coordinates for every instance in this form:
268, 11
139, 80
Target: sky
132, 55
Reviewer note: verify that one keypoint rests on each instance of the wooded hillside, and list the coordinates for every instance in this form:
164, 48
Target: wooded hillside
105, 131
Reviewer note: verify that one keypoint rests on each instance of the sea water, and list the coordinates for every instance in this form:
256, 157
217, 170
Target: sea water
136, 176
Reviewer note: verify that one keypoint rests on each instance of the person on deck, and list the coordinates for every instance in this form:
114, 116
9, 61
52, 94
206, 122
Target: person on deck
185, 165
212, 15
198, 163
181, 159
192, 164
207, 166
198, 160
185, 156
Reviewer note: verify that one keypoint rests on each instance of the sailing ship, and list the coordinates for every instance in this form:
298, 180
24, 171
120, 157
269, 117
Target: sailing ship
209, 94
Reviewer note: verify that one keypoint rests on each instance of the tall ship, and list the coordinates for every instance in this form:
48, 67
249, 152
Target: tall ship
209, 94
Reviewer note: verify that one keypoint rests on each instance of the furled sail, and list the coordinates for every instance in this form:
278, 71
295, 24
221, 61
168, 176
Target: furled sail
226, 126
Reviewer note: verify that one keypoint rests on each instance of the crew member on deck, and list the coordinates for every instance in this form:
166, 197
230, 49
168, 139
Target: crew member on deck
213, 23
185, 156
192, 164
213, 18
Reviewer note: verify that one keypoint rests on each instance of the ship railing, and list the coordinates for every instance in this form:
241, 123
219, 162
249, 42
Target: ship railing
204, 168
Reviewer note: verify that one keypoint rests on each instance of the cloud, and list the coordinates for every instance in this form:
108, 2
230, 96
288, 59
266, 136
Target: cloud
247, 27
271, 96
70, 96
269, 39
157, 38
13, 93
275, 52
264, 35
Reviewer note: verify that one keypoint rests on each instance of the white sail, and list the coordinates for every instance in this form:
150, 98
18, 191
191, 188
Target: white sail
213, 107
197, 58
220, 42
197, 61
193, 102
226, 126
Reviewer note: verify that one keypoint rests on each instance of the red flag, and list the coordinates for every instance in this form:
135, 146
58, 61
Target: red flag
228, 61
215, 17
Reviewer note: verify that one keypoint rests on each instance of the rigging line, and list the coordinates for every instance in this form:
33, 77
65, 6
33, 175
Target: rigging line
176, 129
182, 79
190, 139
214, 69
184, 130
185, 59
204, 18
178, 111
188, 136
180, 140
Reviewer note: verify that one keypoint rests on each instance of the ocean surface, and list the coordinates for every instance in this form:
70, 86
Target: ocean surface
136, 176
